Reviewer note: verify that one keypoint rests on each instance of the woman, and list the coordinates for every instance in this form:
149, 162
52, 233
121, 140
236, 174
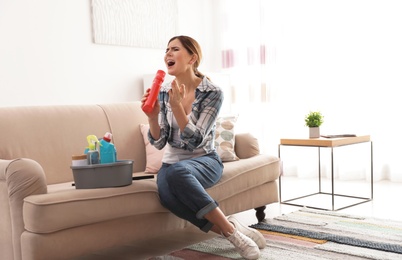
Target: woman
184, 121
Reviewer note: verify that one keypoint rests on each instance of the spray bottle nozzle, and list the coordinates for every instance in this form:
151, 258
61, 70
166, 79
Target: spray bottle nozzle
92, 142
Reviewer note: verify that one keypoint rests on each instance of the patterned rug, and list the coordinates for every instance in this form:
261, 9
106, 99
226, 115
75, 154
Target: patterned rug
311, 235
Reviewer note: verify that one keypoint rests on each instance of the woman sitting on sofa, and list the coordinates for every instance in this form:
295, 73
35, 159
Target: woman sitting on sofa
184, 119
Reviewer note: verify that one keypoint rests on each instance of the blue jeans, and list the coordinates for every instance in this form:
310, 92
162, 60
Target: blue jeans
182, 187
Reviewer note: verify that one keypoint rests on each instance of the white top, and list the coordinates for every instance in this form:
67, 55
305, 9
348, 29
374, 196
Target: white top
173, 154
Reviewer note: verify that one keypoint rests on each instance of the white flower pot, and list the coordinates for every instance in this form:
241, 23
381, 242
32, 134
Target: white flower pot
314, 132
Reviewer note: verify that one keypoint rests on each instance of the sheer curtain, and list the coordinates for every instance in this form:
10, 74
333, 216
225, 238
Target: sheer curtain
246, 57
343, 58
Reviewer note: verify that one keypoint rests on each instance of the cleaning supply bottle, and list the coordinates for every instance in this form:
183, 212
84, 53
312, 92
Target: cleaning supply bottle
153, 94
107, 149
92, 150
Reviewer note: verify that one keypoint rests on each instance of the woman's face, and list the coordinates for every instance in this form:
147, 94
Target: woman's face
177, 58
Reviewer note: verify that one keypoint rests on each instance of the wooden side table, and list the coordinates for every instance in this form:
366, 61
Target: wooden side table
330, 143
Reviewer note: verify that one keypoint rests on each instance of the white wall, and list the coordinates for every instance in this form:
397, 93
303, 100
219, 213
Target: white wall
47, 55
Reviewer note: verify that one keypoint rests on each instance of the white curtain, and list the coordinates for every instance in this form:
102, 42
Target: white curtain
343, 58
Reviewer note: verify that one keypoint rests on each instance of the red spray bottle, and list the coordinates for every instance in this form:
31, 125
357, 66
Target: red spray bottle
153, 94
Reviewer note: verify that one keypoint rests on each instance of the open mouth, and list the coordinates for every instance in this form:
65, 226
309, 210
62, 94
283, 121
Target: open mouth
170, 63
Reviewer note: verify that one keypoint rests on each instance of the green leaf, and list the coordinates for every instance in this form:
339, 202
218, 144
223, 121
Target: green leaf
314, 119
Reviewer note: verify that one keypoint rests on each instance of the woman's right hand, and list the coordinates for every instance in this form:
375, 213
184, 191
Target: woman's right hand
155, 112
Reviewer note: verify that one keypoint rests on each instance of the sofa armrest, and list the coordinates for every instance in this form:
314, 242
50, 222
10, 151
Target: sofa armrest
19, 178
246, 145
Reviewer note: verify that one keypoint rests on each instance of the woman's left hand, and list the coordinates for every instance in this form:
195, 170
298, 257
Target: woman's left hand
176, 94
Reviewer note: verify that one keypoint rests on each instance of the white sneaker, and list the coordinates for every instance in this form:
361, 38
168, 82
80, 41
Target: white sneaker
252, 233
246, 247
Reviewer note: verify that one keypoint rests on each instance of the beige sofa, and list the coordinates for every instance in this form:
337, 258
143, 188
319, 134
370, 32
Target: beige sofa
42, 216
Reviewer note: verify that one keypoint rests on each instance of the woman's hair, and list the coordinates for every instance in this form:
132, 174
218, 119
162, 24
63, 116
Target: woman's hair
192, 47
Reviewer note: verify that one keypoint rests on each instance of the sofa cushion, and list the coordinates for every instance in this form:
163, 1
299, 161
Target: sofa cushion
242, 175
153, 156
50, 135
66, 207
225, 138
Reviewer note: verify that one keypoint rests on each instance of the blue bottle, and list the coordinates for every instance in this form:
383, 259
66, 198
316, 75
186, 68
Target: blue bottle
107, 149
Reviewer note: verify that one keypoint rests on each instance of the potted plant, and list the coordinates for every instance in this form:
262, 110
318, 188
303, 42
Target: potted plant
314, 120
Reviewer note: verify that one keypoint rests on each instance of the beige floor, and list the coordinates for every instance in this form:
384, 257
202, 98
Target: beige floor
384, 205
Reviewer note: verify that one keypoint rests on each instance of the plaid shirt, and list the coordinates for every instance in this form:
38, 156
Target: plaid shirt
200, 130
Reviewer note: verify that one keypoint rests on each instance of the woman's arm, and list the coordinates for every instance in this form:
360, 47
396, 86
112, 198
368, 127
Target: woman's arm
159, 127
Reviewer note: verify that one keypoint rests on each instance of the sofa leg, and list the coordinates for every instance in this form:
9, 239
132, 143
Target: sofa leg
260, 214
